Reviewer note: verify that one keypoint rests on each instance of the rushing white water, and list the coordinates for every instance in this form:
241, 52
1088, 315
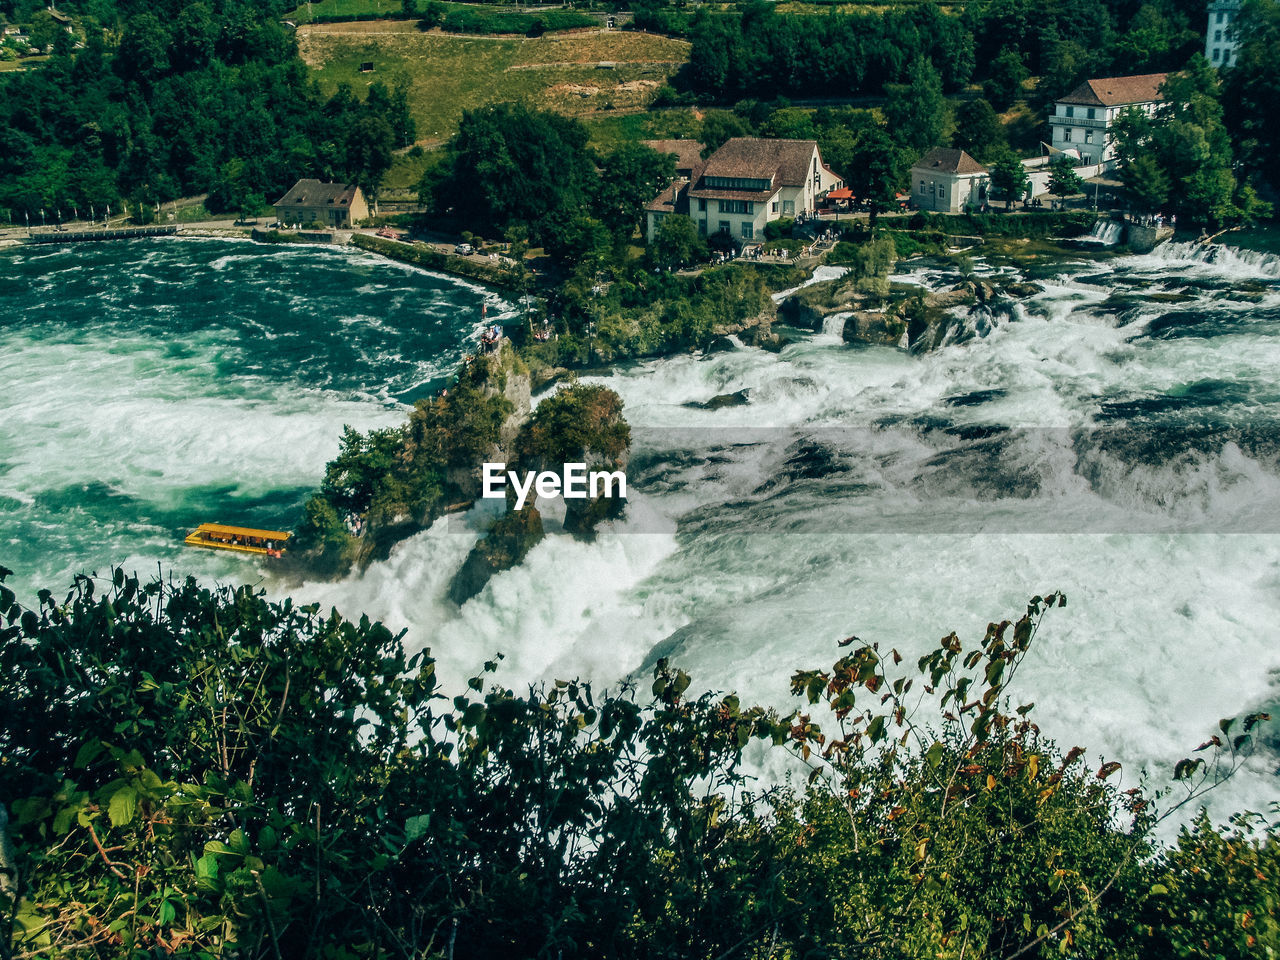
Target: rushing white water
820, 274
1105, 233
153, 386
1114, 437
1119, 448
833, 324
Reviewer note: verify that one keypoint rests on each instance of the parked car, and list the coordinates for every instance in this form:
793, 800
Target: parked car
464, 249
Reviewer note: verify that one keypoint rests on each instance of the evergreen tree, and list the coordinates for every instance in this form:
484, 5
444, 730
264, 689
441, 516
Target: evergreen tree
978, 129
916, 111
1004, 84
1063, 179
1008, 177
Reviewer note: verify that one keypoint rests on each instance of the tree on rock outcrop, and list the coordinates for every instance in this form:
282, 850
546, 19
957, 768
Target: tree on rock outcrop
581, 424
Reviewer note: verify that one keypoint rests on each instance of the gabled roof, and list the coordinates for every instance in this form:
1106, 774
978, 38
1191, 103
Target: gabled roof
948, 160
1117, 91
688, 152
312, 193
785, 162
674, 199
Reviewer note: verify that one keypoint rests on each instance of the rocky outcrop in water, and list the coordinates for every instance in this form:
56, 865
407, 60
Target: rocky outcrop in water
507, 543
923, 321
739, 398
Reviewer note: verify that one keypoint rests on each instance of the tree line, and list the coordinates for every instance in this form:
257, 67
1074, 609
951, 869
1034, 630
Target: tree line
755, 51
152, 101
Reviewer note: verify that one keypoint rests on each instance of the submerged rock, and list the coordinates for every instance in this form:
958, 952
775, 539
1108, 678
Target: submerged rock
738, 399
506, 544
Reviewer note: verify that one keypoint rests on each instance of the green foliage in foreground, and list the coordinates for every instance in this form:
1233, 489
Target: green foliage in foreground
205, 773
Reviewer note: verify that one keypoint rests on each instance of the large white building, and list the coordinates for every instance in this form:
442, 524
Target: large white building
1081, 121
1220, 44
745, 184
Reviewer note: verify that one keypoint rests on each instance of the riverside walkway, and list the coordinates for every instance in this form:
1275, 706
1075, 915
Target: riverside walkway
110, 233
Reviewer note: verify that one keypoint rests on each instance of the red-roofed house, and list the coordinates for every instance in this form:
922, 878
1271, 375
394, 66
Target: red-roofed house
745, 184
1081, 121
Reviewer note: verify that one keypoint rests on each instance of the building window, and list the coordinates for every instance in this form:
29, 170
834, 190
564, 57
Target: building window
1088, 136
1217, 36
1217, 54
702, 205
737, 183
1066, 134
748, 231
922, 189
737, 206
1091, 113
1219, 16
1071, 111
702, 228
774, 208
788, 208
724, 226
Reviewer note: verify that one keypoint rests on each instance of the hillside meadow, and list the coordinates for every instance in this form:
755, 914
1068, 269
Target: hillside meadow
579, 74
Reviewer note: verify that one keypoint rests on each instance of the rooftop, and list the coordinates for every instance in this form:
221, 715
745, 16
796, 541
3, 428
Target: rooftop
1117, 91
311, 193
688, 152
948, 160
785, 162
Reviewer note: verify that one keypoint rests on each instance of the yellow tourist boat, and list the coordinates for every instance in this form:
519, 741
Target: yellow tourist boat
218, 536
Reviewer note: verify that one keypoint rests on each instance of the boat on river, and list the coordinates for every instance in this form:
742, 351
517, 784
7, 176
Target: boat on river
219, 536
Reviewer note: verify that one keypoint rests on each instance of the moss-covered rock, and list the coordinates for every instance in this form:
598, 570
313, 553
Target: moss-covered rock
507, 543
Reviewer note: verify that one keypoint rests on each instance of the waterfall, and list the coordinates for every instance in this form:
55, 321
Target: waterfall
1105, 233
833, 323
1235, 262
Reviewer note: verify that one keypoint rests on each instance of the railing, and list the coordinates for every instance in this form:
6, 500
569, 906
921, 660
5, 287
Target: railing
117, 233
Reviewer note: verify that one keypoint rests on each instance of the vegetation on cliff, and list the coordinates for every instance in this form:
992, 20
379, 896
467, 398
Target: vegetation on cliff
205, 773
388, 483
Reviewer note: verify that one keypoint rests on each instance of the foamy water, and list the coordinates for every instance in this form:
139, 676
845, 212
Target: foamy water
1090, 440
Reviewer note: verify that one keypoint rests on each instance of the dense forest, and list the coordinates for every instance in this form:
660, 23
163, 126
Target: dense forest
155, 100
755, 51
204, 773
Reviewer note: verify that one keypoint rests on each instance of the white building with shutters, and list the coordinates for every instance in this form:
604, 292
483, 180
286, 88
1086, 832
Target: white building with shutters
1081, 121
1220, 46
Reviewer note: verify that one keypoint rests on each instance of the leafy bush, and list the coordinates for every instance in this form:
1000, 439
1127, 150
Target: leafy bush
208, 771
777, 229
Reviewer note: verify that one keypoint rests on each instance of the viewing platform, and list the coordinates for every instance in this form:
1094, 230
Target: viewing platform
111, 233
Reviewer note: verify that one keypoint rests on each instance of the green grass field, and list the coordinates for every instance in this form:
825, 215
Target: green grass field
470, 17
608, 131
449, 74
306, 12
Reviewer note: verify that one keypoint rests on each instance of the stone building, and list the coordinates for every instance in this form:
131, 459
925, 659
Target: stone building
1220, 44
335, 205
